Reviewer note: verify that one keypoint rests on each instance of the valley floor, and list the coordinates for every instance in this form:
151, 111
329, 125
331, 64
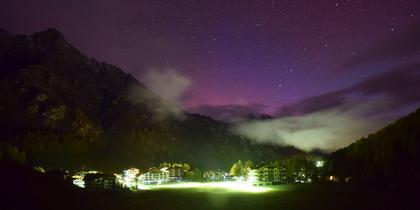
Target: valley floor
25, 189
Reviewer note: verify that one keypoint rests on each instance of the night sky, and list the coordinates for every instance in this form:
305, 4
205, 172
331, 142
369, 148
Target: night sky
337, 62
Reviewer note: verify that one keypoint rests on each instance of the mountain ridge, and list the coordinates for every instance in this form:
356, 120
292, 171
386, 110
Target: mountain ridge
63, 109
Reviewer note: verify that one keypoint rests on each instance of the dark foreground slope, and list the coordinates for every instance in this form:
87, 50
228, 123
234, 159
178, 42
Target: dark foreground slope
391, 155
61, 109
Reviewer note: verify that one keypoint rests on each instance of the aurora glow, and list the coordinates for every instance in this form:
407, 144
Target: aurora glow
337, 70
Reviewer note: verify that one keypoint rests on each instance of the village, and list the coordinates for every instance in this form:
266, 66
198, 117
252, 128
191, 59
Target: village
177, 173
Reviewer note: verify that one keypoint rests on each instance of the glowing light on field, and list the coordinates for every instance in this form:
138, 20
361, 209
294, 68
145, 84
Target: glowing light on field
229, 186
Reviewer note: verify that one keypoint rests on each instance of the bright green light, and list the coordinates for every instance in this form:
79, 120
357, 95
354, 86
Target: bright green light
230, 186
319, 163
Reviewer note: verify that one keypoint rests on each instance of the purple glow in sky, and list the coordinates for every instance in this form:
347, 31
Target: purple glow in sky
236, 52
285, 58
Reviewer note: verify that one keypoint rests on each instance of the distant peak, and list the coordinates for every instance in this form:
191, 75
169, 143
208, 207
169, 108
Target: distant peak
50, 32
49, 36
51, 40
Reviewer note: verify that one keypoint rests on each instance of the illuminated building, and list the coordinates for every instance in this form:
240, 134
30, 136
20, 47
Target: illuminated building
332, 178
266, 175
131, 172
79, 176
175, 173
253, 175
99, 181
320, 169
155, 176
302, 176
129, 178
215, 175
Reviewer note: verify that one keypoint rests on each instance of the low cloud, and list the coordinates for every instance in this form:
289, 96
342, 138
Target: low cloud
326, 130
336, 119
164, 92
168, 84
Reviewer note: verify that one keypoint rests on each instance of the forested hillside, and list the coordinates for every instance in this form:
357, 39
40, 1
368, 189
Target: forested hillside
391, 155
61, 109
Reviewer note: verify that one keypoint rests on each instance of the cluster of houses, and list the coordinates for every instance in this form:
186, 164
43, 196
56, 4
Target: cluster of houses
133, 179
216, 176
267, 175
130, 178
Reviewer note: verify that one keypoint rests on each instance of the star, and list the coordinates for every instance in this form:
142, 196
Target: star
253, 45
